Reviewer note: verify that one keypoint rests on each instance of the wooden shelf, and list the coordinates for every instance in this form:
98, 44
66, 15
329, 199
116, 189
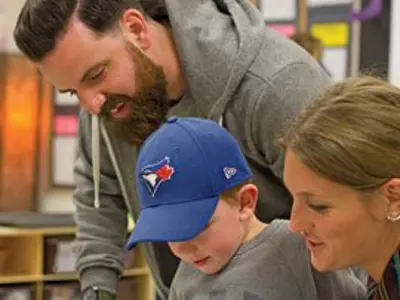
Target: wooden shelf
72, 276
19, 279
23, 262
137, 272
51, 231
59, 277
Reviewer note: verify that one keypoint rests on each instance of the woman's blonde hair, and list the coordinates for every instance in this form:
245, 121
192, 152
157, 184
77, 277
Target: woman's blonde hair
351, 133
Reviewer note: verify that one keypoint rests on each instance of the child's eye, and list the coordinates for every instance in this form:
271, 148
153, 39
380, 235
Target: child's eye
208, 224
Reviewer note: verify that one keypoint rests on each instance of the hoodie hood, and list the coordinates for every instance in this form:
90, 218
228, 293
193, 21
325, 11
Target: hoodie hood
217, 41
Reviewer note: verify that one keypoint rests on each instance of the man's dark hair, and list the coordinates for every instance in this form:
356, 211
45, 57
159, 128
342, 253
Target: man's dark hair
42, 22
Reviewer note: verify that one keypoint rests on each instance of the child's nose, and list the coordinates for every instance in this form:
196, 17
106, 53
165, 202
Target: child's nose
182, 247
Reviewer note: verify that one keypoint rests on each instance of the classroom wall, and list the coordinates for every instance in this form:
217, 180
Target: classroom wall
376, 32
9, 10
394, 45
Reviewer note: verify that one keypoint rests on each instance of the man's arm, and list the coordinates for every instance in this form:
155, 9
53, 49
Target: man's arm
173, 295
101, 231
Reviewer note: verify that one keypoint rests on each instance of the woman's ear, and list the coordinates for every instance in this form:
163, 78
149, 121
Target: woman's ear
135, 28
392, 194
248, 196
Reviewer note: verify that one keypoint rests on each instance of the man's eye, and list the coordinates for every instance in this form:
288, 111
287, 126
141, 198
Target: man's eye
71, 93
96, 75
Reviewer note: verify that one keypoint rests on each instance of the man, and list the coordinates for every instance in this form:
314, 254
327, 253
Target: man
134, 63
311, 44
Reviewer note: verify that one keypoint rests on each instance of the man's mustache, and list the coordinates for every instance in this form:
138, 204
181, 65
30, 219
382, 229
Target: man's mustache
112, 101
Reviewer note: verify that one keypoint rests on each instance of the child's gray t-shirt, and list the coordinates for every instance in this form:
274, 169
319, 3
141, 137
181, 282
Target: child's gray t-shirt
275, 265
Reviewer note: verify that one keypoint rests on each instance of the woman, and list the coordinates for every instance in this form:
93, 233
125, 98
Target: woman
342, 167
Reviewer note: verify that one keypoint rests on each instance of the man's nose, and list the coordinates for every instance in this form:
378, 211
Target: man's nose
92, 102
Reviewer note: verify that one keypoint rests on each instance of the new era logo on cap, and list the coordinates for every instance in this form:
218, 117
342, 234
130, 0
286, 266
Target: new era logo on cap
155, 174
229, 172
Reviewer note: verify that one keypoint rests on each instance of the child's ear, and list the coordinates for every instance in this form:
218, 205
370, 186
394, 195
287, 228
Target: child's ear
248, 195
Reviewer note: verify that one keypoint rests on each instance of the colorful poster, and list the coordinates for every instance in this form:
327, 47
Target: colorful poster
331, 34
285, 29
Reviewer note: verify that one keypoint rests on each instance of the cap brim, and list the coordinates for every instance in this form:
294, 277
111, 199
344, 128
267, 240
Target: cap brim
173, 222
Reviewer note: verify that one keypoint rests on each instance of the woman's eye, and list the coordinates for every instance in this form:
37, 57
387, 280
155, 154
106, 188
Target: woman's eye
318, 208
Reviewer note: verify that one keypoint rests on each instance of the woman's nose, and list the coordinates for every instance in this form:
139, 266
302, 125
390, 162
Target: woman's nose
298, 219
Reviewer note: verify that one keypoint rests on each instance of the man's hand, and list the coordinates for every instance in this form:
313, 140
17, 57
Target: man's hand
95, 293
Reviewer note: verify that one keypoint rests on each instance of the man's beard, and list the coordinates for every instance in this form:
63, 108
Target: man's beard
149, 106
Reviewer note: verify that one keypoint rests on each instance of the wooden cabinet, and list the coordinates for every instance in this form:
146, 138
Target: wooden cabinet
25, 258
26, 111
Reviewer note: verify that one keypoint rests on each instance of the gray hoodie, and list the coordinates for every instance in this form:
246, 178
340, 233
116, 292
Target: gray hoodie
238, 72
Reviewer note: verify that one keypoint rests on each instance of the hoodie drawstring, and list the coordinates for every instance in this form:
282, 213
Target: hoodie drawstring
96, 159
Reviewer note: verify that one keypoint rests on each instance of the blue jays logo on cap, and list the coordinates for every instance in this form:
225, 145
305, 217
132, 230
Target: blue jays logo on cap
155, 174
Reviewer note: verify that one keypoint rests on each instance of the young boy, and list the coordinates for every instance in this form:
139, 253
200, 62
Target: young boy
196, 192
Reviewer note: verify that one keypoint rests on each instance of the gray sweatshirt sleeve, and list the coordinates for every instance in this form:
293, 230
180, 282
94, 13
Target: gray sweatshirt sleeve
100, 231
173, 295
284, 96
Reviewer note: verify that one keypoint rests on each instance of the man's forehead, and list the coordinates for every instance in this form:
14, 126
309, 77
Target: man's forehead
75, 52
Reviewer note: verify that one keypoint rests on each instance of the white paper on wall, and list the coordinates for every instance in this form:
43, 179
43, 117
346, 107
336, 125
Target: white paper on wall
65, 258
335, 61
63, 160
328, 2
278, 10
65, 99
9, 11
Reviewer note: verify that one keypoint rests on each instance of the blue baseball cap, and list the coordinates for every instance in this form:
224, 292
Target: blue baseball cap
181, 171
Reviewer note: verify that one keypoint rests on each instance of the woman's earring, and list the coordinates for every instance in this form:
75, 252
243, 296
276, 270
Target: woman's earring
393, 216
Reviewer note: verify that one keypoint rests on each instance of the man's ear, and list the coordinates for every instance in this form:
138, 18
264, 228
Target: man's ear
135, 28
392, 194
247, 195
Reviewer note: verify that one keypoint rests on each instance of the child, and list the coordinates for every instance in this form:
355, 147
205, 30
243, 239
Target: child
196, 192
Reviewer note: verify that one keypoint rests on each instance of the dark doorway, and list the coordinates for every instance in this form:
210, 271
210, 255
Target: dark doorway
375, 39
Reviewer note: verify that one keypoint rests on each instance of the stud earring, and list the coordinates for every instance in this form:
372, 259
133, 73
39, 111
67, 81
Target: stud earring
393, 216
